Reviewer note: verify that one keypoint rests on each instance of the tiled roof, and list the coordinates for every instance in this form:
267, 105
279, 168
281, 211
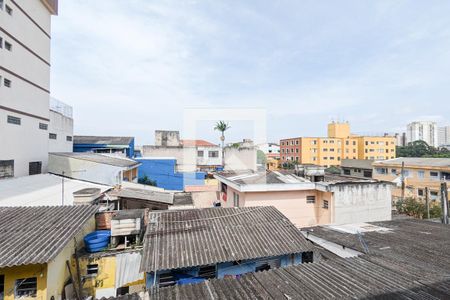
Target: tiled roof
197, 237
100, 158
36, 235
197, 143
333, 279
103, 140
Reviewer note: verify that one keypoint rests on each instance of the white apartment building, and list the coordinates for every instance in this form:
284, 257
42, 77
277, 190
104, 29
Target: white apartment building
444, 136
24, 85
426, 131
60, 129
269, 148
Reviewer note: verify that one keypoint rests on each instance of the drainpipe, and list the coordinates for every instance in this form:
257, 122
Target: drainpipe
444, 203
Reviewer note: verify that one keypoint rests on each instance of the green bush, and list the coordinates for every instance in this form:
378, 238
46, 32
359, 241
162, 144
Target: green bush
417, 208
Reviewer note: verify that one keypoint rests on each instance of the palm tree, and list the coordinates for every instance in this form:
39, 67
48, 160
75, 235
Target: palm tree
222, 127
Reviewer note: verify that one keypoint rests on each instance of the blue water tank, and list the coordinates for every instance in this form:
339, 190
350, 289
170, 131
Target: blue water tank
97, 241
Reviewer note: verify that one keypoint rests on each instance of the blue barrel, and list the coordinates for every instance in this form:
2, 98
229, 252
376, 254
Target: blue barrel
97, 241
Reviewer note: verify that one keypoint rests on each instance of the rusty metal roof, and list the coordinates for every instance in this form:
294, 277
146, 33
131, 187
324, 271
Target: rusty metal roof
36, 235
187, 238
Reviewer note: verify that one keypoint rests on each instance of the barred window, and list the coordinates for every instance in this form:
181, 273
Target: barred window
43, 126
52, 136
14, 120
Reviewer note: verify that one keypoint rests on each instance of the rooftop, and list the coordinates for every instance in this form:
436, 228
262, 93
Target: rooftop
103, 140
100, 158
144, 194
197, 143
416, 162
404, 245
197, 237
357, 163
265, 177
36, 235
42, 190
353, 278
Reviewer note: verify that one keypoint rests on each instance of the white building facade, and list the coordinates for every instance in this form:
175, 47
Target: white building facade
61, 127
25, 28
423, 131
444, 136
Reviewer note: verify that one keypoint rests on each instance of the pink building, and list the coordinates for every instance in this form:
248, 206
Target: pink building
306, 201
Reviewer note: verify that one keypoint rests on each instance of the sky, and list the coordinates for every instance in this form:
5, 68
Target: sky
136, 68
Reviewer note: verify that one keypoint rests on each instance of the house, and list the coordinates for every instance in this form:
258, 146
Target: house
338, 145
40, 243
419, 173
114, 270
163, 172
118, 145
357, 167
45, 190
307, 199
94, 167
400, 264
186, 246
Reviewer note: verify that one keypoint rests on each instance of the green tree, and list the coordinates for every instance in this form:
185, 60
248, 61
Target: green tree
147, 181
222, 126
422, 149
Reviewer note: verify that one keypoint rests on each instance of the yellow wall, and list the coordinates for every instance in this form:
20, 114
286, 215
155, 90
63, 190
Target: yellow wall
105, 277
338, 130
330, 151
20, 272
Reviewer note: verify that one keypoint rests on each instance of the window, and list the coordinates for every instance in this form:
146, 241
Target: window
346, 172
325, 204
310, 199
213, 153
26, 287
421, 174
420, 193
7, 82
8, 10
381, 171
35, 167
393, 171
52, 136
406, 173
434, 174
434, 195
8, 46
92, 269
43, 126
1, 39
200, 153
367, 174
69, 138
6, 168
14, 120
235, 199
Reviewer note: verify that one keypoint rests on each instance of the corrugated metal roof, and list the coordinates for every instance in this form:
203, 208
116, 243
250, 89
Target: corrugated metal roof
180, 239
143, 194
357, 163
99, 158
334, 279
35, 235
103, 140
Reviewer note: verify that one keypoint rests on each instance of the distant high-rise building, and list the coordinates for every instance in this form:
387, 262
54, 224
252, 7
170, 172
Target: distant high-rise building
426, 131
340, 144
25, 32
444, 135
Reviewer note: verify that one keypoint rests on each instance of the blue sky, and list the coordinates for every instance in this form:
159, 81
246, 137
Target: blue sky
131, 69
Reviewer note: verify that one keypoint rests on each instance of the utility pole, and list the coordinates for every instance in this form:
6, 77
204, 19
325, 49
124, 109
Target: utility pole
62, 188
402, 176
427, 201
444, 202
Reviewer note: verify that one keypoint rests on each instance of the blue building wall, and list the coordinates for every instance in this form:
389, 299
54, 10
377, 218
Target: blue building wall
163, 172
90, 147
185, 276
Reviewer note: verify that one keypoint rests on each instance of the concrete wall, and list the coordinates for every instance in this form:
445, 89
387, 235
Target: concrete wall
85, 170
167, 138
25, 143
240, 158
356, 203
163, 171
186, 157
62, 126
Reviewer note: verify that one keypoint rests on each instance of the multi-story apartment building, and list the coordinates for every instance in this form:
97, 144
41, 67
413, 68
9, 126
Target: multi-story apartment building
444, 136
419, 173
338, 145
423, 131
24, 85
